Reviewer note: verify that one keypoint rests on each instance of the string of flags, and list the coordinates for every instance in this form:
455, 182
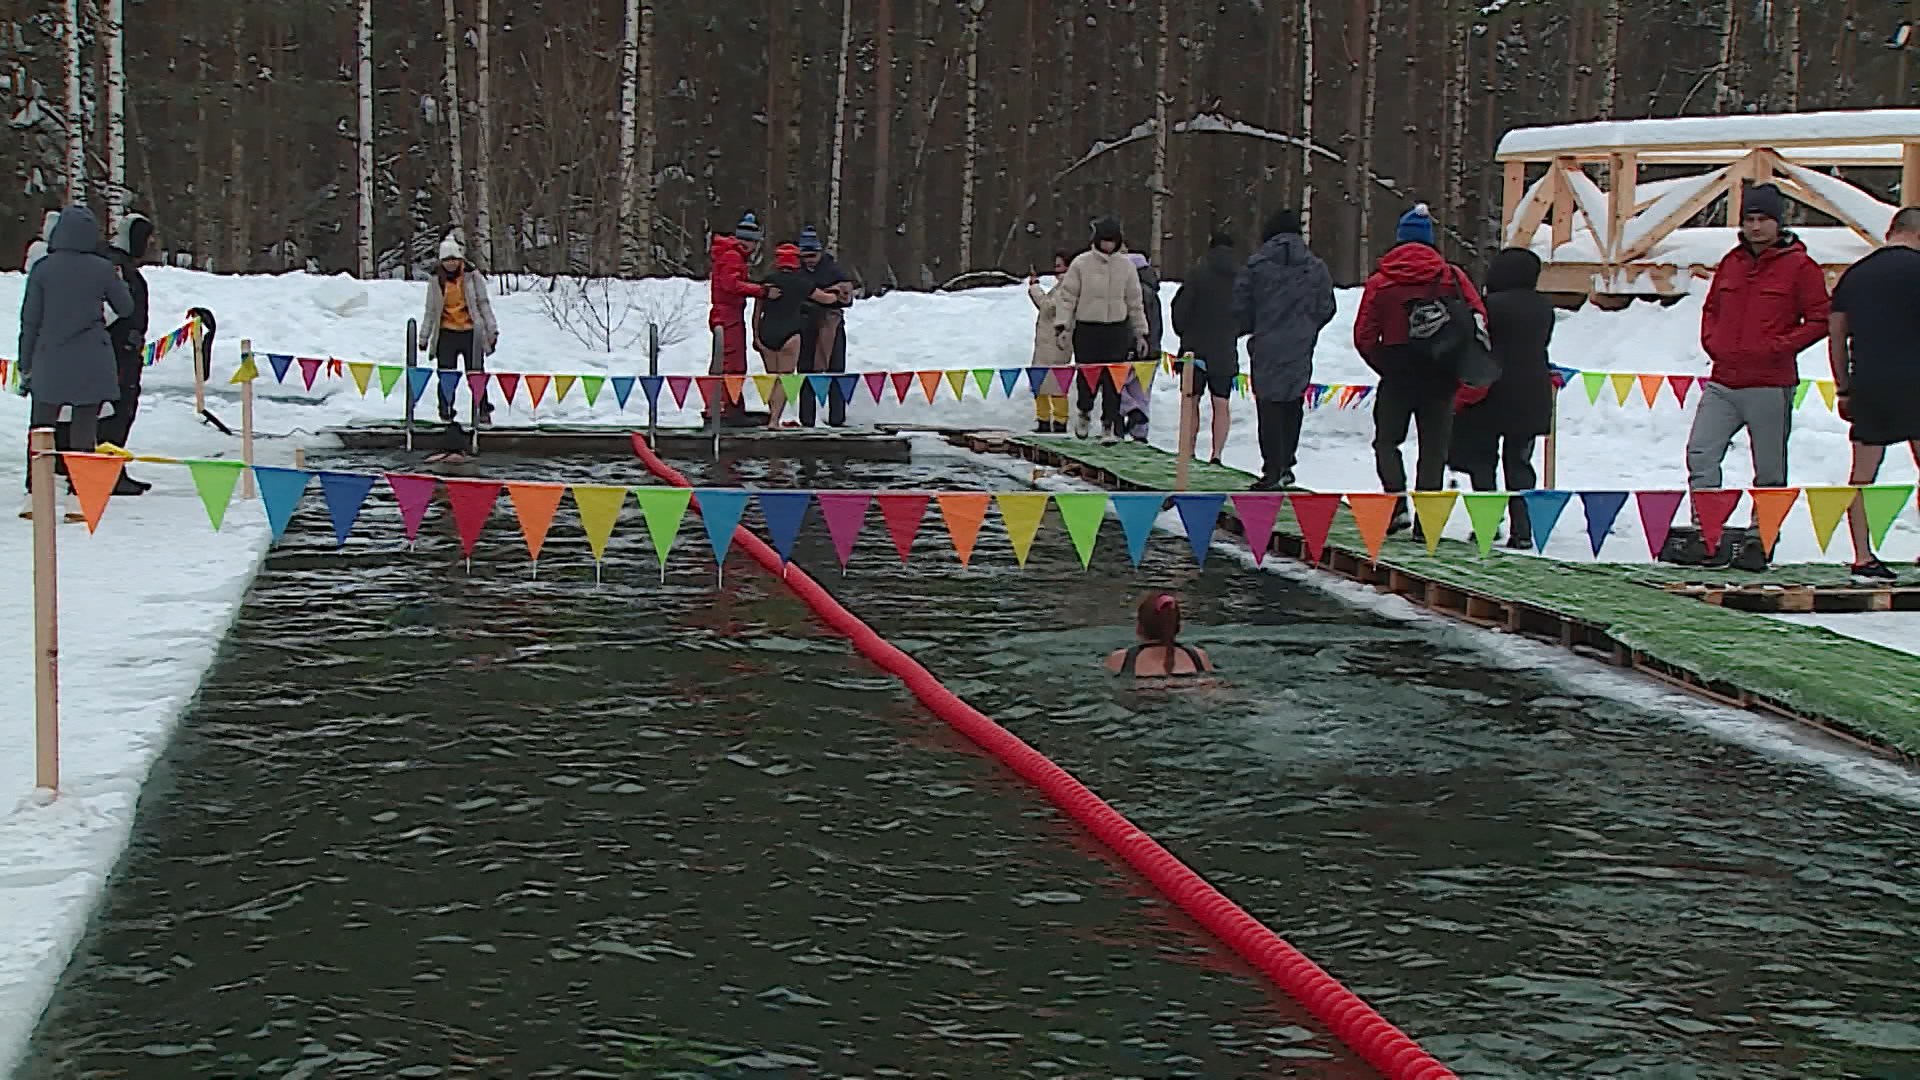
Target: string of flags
155, 351
845, 513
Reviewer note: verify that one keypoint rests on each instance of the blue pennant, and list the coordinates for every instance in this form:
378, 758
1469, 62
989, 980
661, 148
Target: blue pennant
1137, 514
449, 384
345, 493
1037, 377
280, 490
1543, 511
820, 386
650, 385
622, 389
1009, 378
784, 511
417, 380
720, 512
844, 387
1199, 513
280, 366
1602, 508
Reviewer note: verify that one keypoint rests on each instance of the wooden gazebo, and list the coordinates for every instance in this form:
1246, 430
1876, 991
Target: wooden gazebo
1620, 235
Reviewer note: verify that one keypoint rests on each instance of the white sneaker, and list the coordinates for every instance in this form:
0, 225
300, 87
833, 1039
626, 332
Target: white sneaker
26, 509
1082, 424
1108, 438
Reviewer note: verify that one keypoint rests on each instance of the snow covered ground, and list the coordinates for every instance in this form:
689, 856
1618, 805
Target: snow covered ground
145, 601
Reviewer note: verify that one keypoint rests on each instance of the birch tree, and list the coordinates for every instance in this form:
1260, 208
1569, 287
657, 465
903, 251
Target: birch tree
483, 138
1610, 63
76, 128
629, 101
1726, 96
879, 212
116, 111
363, 238
648, 137
457, 180
1158, 182
1308, 76
969, 162
839, 123
1362, 152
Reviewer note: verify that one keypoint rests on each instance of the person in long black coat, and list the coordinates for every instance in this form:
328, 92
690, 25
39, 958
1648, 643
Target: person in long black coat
1498, 430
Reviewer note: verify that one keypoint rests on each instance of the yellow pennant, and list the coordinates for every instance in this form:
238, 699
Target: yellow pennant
1433, 508
245, 373
958, 380
1828, 392
362, 373
763, 385
599, 509
1020, 511
1623, 384
562, 384
1827, 505
1145, 371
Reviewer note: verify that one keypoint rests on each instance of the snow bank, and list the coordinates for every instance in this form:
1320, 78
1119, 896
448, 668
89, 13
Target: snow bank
340, 295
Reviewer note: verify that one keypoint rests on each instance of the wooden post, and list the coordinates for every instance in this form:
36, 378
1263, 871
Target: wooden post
299, 458
1738, 174
653, 370
1623, 181
716, 410
195, 332
1513, 190
1910, 174
46, 612
1189, 433
413, 360
246, 438
1551, 451
1563, 201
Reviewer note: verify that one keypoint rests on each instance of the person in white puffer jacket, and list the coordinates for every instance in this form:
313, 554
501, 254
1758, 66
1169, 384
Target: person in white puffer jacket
1100, 303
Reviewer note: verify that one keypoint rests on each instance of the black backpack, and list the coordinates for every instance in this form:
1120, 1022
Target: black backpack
1448, 331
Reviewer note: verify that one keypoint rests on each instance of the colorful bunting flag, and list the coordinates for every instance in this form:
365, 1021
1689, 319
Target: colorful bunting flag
562, 384
1826, 506
1257, 513
590, 385
819, 386
958, 380
417, 380
537, 389
362, 376
309, 369
845, 387
93, 477
1770, 508
280, 491
599, 506
1314, 514
389, 378
720, 513
214, 481
1713, 508
903, 514
345, 494
1144, 371
1622, 386
1485, 510
1829, 393
449, 384
1594, 381
1137, 513
1883, 504
1020, 512
280, 365
763, 386
477, 385
1800, 392
930, 382
876, 384
414, 494
902, 382
664, 508
712, 391
1650, 388
1680, 384
1602, 509
246, 372
1009, 378
1656, 516
622, 389
472, 502
1543, 513
1433, 509
1082, 512
1200, 514
534, 504
785, 512
1037, 377
963, 512
1373, 513
846, 514
650, 385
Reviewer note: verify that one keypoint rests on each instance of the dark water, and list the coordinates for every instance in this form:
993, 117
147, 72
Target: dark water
429, 824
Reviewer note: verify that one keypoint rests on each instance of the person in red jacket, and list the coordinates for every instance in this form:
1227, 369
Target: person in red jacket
729, 257
1767, 304
1413, 388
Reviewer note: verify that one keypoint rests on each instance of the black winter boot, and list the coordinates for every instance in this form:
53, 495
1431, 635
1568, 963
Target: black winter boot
1684, 547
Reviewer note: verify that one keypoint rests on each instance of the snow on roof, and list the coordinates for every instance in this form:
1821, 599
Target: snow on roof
1830, 245
1838, 128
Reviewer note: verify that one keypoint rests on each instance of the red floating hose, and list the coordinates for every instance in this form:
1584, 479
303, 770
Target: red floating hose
1350, 1019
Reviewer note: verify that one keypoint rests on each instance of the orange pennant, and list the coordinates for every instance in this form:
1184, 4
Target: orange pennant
534, 504
963, 513
93, 477
537, 387
1373, 512
930, 382
736, 386
1650, 389
1770, 509
1117, 375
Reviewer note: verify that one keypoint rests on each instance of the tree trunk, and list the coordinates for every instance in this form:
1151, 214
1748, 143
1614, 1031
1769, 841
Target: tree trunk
238, 220
363, 240
629, 96
1726, 97
880, 213
457, 184
1158, 181
1457, 120
76, 127
839, 123
1308, 76
778, 107
483, 138
649, 140
970, 158
1362, 155
1610, 63
116, 111
1795, 61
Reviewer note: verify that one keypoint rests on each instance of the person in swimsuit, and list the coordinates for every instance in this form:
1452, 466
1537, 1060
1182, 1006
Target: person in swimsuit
1159, 653
777, 323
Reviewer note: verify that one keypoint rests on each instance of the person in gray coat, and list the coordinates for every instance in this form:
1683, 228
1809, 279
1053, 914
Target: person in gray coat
66, 355
1282, 300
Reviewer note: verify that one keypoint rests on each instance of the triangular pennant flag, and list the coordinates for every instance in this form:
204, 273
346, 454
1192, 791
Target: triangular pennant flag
1314, 513
983, 378
1656, 516
845, 513
1713, 508
1373, 513
963, 512
477, 384
1884, 503
1543, 512
449, 384
414, 494
1826, 506
309, 369
1144, 371
785, 512
622, 389
791, 384
472, 502
1623, 383
1199, 514
1020, 512
590, 385
417, 380
93, 477
362, 376
1257, 513
820, 386
389, 378
1082, 512
1137, 514
736, 386
650, 385
248, 371
1650, 388
534, 504
1680, 384
1037, 378
562, 384
845, 386
763, 385
599, 506
1090, 376
345, 494
930, 382
280, 366
902, 514
720, 513
1594, 382
509, 383
958, 380
1433, 509
1009, 378
214, 481
537, 388
1800, 392
280, 491
902, 382
1118, 374
1829, 393
664, 508
1602, 509
1770, 509
876, 384
1485, 509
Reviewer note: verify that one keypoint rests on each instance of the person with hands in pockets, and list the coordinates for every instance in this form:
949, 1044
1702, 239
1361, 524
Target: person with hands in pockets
1101, 304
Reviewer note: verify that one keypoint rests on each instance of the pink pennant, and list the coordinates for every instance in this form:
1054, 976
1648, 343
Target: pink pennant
903, 514
679, 385
1257, 515
1315, 514
413, 493
1713, 508
902, 382
1656, 516
472, 503
310, 367
846, 513
477, 384
876, 384
1062, 377
509, 382
1680, 384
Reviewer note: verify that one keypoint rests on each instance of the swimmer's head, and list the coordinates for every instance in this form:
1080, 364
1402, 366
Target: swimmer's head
1157, 620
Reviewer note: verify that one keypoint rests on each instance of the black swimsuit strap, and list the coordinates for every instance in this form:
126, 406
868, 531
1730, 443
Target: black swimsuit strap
1132, 659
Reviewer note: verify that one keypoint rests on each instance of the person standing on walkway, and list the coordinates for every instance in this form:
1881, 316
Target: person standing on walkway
823, 343
1281, 299
1873, 343
66, 355
1100, 303
728, 258
1204, 317
1415, 388
1136, 403
1495, 428
1767, 303
1051, 349
458, 327
132, 236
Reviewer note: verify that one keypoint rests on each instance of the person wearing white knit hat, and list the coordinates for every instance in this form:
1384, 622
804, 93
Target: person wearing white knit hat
459, 324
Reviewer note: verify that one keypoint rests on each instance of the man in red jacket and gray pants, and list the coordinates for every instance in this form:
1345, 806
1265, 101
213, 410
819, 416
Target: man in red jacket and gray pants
1767, 304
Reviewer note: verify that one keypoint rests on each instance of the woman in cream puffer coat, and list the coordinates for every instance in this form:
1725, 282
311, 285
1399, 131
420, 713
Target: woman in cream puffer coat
1051, 349
1100, 303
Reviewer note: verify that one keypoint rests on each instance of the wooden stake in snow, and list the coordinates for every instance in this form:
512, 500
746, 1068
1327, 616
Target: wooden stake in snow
246, 423
197, 334
46, 612
1188, 424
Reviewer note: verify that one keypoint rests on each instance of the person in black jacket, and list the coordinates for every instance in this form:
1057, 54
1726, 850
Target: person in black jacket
1203, 317
1498, 429
823, 343
128, 250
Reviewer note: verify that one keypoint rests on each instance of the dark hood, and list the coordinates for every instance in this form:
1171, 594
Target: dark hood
1286, 249
1513, 269
132, 235
75, 231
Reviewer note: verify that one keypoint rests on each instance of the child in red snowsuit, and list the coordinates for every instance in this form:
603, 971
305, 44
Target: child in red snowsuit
729, 257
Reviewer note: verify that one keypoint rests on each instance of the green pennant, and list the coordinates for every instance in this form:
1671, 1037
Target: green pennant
389, 378
983, 377
1485, 509
1884, 503
1595, 381
214, 480
791, 385
1082, 512
1800, 392
664, 508
590, 385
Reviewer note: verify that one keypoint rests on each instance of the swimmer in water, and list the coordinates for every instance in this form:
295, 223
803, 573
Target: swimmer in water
1159, 653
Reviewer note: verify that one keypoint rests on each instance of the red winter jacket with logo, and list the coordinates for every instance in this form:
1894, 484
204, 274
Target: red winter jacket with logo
1762, 311
1409, 272
727, 257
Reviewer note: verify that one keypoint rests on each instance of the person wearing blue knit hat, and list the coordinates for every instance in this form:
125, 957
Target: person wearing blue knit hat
1416, 226
823, 345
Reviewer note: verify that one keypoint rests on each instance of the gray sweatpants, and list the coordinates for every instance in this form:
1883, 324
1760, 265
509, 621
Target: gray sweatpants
1766, 412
